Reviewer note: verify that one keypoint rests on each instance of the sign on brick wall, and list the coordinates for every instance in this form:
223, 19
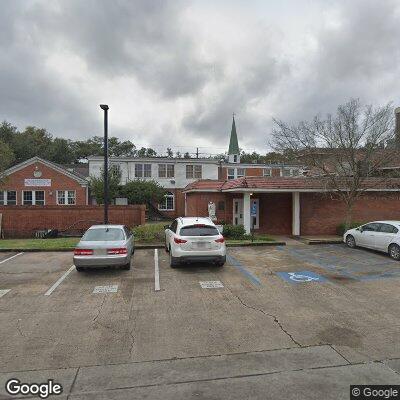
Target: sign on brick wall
37, 182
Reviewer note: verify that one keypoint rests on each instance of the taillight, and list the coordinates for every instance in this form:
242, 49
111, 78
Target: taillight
83, 252
179, 241
220, 240
120, 250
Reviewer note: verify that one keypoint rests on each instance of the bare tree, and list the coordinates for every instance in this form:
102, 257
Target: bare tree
347, 150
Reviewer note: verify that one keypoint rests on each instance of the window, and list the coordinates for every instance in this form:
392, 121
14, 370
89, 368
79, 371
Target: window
386, 228
221, 206
267, 172
166, 170
147, 170
193, 171
168, 203
290, 172
231, 173
199, 230
66, 197
103, 234
8, 198
371, 227
240, 172
33, 197
286, 172
235, 158
138, 170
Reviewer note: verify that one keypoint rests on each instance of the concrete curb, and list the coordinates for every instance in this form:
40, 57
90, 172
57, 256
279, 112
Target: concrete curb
255, 244
316, 241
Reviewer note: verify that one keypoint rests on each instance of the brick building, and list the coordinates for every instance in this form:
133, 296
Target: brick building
288, 206
37, 182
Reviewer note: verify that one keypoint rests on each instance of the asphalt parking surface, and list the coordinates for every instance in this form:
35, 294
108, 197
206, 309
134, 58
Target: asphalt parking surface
295, 321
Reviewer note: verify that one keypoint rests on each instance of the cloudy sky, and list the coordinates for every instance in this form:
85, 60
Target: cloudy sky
173, 71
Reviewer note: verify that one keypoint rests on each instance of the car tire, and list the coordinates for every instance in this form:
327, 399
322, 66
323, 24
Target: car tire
394, 251
128, 265
350, 241
173, 261
220, 263
79, 269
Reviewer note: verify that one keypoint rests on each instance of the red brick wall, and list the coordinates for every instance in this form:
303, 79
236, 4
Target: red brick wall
59, 181
197, 205
275, 213
23, 221
320, 214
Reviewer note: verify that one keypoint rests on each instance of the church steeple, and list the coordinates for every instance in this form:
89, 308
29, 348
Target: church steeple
233, 151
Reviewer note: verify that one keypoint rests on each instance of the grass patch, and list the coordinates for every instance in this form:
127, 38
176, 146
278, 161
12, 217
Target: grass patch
38, 244
150, 232
257, 239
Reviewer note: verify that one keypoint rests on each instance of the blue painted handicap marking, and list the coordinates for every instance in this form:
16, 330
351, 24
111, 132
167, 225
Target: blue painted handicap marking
301, 277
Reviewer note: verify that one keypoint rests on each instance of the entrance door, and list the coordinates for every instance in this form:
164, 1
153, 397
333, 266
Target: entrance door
237, 211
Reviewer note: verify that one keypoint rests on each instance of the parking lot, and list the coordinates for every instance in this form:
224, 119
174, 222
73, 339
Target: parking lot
317, 317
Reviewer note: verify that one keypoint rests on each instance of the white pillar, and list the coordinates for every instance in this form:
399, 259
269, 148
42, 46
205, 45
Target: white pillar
296, 214
246, 212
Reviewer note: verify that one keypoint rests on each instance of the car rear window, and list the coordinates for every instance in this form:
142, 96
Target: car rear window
199, 230
103, 234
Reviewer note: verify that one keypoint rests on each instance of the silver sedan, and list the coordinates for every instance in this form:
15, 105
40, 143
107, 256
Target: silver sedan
103, 246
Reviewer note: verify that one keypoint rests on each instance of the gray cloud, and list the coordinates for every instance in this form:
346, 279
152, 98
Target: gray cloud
180, 81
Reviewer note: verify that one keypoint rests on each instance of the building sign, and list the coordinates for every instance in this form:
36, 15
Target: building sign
37, 182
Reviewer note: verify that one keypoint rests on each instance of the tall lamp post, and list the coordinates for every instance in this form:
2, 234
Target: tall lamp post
104, 107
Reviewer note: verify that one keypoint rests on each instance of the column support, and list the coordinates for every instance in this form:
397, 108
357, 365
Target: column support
295, 213
246, 212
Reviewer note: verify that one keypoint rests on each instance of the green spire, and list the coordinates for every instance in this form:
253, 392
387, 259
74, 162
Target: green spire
233, 142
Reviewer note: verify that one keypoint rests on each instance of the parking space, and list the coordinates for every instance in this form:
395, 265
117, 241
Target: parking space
264, 299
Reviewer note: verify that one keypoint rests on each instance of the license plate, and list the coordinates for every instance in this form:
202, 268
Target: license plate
202, 245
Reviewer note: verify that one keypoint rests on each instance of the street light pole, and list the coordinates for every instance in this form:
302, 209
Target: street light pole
104, 107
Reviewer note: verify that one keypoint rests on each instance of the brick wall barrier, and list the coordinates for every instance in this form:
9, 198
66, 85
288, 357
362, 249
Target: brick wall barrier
24, 221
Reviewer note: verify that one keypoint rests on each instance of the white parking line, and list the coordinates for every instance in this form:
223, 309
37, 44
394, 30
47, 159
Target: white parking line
10, 258
156, 272
54, 287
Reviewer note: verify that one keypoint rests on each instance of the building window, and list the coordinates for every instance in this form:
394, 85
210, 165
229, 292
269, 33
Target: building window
240, 172
166, 170
66, 197
168, 202
147, 170
290, 172
138, 170
221, 206
8, 198
33, 198
267, 172
235, 158
231, 173
193, 171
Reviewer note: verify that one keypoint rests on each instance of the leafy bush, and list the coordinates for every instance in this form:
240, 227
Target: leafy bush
340, 229
150, 232
234, 231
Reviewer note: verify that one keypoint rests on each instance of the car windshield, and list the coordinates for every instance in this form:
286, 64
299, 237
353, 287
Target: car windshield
103, 234
199, 230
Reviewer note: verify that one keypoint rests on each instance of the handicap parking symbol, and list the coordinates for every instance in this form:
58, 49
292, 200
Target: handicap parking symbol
301, 277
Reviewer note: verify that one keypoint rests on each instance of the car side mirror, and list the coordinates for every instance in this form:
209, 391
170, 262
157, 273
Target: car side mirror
360, 229
167, 227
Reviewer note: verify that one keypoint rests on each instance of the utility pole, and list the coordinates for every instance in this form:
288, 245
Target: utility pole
197, 152
105, 107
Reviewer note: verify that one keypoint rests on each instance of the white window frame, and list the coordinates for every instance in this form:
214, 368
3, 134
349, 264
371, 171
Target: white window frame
148, 170
164, 205
5, 197
33, 197
167, 169
241, 175
138, 168
291, 170
66, 197
194, 171
269, 174
230, 176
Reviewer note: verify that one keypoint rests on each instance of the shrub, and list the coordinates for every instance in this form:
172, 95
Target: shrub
340, 229
234, 231
150, 232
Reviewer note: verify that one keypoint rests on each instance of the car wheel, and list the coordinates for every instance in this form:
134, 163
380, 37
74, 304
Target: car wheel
350, 241
394, 251
79, 269
173, 262
220, 263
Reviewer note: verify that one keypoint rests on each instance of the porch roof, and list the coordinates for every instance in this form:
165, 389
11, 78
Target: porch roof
277, 184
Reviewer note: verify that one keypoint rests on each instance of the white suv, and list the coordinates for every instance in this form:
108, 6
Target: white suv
194, 239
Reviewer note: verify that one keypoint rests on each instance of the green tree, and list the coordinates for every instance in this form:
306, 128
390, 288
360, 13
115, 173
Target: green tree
6, 156
143, 192
146, 152
114, 185
61, 151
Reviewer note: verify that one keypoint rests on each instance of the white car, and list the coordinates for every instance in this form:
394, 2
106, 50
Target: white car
379, 235
191, 239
